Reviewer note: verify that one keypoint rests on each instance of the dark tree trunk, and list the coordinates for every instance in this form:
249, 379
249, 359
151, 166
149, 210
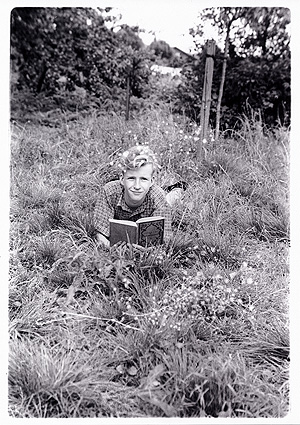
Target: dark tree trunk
41, 77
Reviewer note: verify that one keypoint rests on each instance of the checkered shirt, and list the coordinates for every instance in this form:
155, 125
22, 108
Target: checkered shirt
111, 204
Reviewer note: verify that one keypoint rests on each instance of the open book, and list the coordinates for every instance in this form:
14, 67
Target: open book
145, 231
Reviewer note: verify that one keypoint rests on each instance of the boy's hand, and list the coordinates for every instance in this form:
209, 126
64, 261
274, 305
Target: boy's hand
102, 240
120, 244
140, 247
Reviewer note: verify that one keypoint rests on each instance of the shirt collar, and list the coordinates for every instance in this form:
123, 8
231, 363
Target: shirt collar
121, 203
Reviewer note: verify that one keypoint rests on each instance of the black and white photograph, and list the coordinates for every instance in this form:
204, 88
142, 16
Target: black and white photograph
148, 254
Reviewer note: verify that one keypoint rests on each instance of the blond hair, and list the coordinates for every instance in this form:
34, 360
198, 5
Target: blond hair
135, 157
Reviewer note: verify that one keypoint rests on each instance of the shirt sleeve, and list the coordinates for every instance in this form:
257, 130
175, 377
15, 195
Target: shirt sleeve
103, 212
163, 208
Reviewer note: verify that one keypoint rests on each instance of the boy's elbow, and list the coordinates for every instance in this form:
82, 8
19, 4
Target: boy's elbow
168, 236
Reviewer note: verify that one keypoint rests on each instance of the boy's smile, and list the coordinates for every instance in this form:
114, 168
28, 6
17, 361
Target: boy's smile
137, 183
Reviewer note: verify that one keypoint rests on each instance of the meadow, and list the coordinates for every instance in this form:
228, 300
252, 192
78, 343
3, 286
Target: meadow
196, 328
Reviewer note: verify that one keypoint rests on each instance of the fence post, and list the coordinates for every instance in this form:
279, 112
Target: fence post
127, 98
206, 95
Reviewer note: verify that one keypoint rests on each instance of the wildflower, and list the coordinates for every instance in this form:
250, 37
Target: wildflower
249, 280
204, 141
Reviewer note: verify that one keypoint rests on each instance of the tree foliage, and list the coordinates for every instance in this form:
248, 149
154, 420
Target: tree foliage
164, 54
55, 49
161, 49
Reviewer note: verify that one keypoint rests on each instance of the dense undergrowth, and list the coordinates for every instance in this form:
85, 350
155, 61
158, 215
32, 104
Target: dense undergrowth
198, 328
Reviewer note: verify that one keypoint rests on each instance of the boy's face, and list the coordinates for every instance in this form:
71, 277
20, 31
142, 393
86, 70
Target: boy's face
137, 183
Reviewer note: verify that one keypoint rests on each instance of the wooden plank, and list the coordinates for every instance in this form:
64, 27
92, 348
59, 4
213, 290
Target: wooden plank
206, 94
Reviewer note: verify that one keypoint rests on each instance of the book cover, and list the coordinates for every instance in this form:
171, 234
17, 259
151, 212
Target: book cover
145, 231
151, 231
123, 230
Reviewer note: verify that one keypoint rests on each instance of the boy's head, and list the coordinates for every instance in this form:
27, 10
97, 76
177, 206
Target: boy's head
137, 165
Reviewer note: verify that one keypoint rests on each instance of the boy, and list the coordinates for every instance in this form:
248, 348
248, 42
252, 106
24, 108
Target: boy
134, 196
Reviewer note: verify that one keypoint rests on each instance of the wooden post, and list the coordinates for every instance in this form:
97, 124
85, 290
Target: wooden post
218, 111
206, 95
127, 98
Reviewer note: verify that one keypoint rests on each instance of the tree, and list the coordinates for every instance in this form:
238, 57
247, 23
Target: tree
256, 41
162, 49
267, 33
226, 19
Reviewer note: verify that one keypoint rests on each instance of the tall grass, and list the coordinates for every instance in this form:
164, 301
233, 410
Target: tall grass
198, 328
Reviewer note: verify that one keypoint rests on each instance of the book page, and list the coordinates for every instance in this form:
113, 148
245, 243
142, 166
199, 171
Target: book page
146, 219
